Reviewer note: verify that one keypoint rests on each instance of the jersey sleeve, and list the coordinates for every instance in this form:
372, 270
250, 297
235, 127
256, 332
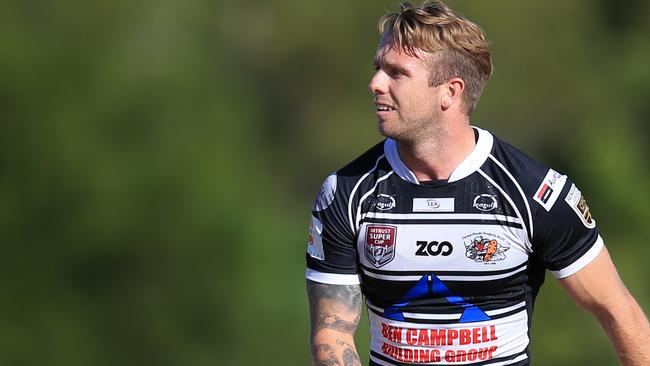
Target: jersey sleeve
565, 237
331, 249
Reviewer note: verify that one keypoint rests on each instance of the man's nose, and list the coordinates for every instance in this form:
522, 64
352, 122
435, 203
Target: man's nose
378, 83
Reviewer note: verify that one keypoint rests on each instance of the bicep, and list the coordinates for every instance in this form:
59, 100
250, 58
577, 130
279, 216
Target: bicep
597, 287
334, 307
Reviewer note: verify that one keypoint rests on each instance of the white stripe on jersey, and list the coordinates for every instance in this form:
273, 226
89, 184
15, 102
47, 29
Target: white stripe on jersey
332, 278
521, 191
441, 216
420, 316
581, 262
399, 277
481, 278
451, 316
504, 363
363, 198
392, 278
505, 310
354, 190
526, 240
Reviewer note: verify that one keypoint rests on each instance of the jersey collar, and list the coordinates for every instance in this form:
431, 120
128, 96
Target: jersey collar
474, 161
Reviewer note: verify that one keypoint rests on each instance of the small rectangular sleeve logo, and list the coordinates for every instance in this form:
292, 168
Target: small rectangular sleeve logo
578, 203
550, 188
315, 239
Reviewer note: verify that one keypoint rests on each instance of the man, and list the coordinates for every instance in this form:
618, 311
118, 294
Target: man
445, 229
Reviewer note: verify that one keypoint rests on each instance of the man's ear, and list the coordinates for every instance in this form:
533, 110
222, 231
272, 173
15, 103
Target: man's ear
452, 93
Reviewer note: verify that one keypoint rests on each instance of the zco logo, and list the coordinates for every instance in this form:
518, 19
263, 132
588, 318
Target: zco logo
433, 248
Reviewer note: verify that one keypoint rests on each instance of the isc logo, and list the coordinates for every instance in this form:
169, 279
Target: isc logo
433, 248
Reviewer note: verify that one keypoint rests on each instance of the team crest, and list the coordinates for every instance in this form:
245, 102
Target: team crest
484, 249
380, 244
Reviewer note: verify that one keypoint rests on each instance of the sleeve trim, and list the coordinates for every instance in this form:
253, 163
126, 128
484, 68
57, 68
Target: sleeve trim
332, 278
582, 261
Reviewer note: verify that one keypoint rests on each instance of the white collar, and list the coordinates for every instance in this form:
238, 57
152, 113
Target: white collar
474, 161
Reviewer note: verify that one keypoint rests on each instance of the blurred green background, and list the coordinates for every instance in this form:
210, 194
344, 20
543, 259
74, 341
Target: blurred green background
158, 161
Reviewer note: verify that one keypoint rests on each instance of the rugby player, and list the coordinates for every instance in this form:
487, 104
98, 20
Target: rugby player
446, 230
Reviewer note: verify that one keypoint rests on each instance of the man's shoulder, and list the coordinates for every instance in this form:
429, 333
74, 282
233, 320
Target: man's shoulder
518, 170
340, 185
362, 164
516, 162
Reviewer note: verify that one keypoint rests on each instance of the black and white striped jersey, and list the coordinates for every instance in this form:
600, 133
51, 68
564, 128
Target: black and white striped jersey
449, 270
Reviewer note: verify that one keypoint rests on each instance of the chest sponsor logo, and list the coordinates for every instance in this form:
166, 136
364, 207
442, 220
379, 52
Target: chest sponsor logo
425, 345
433, 248
549, 190
578, 203
485, 202
433, 205
385, 202
380, 244
485, 248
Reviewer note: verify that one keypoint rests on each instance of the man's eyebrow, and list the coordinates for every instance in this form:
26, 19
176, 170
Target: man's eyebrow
378, 63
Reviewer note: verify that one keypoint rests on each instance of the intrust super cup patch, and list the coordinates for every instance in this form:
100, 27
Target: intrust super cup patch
550, 188
380, 244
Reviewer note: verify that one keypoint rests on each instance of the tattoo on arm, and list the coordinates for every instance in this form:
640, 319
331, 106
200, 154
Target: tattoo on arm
336, 307
350, 358
324, 354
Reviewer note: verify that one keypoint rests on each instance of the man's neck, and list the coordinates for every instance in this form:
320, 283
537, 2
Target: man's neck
436, 157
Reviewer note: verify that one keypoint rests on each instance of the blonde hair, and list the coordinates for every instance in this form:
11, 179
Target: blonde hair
458, 46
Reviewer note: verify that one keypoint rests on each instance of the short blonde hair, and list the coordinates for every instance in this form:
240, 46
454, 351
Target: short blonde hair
458, 46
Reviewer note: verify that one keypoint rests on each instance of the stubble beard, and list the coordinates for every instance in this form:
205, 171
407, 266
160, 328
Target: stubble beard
414, 132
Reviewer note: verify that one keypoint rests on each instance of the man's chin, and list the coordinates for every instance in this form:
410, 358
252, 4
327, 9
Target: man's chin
385, 130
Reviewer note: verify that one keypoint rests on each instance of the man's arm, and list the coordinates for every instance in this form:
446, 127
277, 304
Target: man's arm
598, 289
335, 312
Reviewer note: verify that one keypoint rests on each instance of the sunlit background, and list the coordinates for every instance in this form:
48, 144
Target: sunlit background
158, 161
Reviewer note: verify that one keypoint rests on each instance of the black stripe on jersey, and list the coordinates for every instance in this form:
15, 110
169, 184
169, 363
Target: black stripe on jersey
488, 362
446, 321
500, 175
364, 184
443, 273
441, 222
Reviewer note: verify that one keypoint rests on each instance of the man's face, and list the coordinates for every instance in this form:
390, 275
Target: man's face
406, 106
